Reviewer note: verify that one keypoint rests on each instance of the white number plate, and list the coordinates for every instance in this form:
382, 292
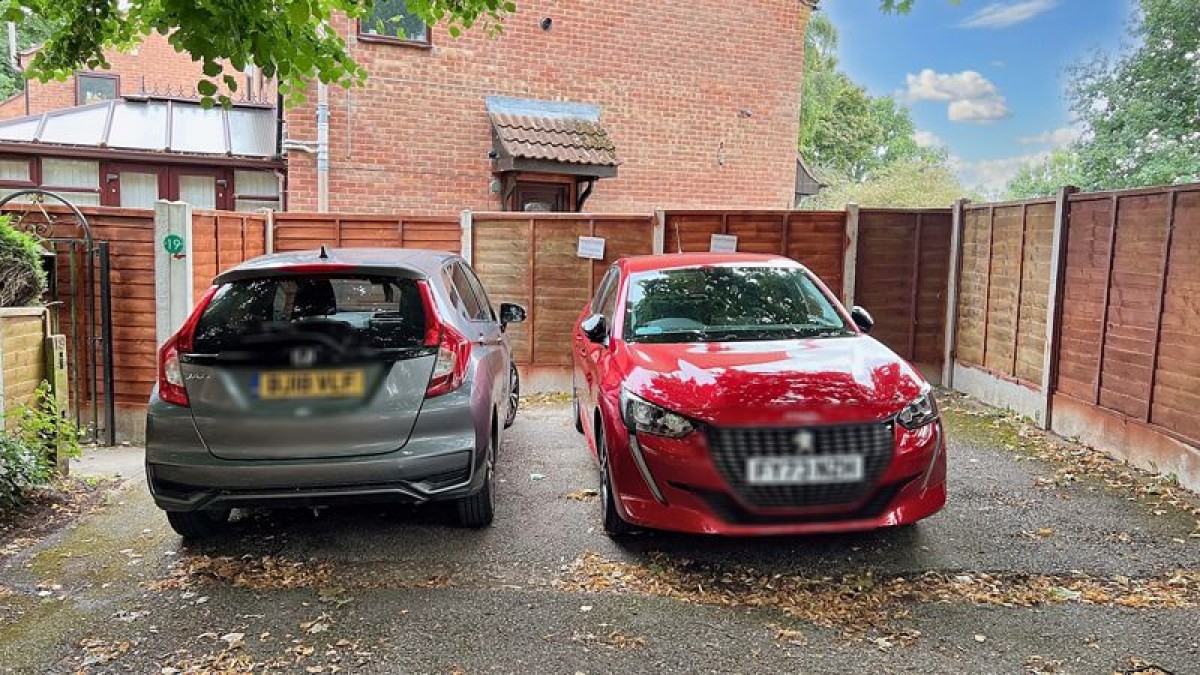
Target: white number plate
813, 470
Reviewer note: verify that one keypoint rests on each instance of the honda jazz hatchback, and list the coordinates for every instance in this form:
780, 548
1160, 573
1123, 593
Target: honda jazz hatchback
332, 376
734, 394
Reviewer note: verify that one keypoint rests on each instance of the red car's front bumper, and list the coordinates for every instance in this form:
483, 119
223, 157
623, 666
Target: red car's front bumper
699, 500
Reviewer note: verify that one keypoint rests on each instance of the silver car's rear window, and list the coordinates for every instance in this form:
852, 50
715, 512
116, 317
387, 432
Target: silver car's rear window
357, 311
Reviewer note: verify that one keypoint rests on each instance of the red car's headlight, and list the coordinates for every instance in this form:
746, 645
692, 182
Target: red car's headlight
920, 412
642, 415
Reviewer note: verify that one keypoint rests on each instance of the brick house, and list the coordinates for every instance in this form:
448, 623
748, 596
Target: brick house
134, 133
619, 106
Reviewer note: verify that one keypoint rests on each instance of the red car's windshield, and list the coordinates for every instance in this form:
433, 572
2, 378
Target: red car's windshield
728, 304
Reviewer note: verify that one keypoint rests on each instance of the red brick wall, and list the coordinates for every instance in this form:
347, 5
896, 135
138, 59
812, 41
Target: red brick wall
154, 63
14, 106
671, 77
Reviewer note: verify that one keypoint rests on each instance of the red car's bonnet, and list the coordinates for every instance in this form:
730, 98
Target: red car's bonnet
819, 381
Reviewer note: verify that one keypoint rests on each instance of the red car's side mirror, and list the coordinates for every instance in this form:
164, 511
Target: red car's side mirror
595, 327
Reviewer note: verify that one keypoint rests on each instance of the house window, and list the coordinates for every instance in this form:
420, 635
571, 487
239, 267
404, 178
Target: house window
93, 88
391, 21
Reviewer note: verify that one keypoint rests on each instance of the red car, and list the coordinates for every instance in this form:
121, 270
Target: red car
733, 394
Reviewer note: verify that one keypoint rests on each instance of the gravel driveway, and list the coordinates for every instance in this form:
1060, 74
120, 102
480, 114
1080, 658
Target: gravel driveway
1047, 559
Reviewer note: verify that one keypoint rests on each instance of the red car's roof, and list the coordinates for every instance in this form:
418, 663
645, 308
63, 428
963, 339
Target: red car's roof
651, 263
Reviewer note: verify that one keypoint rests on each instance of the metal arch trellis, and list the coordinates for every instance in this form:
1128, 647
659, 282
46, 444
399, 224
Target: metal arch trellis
98, 349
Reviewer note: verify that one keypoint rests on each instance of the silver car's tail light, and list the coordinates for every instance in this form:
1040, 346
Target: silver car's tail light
171, 387
454, 349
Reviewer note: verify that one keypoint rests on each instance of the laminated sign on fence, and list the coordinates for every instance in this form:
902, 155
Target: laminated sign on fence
723, 243
591, 248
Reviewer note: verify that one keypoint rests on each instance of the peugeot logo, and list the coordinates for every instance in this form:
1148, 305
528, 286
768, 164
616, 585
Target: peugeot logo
303, 357
803, 440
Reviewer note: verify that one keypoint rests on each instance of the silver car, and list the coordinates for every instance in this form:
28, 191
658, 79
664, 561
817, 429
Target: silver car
333, 376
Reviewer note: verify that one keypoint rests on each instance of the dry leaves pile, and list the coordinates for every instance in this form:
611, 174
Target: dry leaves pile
265, 573
854, 604
584, 495
1075, 460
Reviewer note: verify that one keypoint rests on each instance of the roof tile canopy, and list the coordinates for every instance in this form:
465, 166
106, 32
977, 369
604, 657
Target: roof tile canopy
568, 134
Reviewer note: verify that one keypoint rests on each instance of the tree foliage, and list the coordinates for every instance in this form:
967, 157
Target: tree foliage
861, 144
1045, 178
34, 30
910, 183
1140, 110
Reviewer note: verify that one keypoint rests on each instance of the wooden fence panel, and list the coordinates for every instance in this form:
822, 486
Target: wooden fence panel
531, 260
902, 266
1175, 390
1037, 254
1004, 287
1085, 287
815, 238
818, 240
307, 231
221, 240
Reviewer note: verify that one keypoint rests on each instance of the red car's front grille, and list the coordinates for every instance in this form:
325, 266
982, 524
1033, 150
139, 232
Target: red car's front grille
732, 446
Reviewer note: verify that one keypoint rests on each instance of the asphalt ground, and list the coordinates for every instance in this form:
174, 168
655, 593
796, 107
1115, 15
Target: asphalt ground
1045, 560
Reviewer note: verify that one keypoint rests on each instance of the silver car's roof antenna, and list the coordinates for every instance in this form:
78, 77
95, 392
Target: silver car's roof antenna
324, 255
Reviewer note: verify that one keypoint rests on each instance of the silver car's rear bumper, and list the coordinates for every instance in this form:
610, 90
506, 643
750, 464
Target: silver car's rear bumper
439, 461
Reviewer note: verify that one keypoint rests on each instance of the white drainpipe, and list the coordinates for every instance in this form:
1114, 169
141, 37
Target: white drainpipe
322, 147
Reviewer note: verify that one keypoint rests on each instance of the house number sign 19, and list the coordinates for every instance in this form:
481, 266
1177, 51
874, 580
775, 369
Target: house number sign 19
173, 244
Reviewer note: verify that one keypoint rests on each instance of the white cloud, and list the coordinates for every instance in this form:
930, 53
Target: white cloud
992, 175
971, 96
1056, 137
928, 139
1005, 14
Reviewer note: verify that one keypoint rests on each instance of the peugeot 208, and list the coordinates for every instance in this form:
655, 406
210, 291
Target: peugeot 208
734, 394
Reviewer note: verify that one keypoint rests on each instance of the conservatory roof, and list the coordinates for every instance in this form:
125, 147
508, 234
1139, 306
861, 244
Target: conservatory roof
168, 126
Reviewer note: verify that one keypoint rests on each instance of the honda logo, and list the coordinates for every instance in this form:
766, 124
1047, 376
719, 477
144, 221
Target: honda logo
303, 357
803, 441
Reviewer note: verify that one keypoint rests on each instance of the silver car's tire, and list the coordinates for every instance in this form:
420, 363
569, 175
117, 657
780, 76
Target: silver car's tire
514, 396
198, 524
479, 510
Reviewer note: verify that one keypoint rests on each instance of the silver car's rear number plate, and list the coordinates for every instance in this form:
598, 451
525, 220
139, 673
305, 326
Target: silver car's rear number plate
810, 470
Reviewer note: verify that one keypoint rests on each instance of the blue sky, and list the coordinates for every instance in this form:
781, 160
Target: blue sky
984, 78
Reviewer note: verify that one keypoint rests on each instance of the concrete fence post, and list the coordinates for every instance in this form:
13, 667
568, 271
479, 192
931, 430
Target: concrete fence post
850, 261
1058, 262
269, 231
467, 224
172, 267
660, 232
951, 329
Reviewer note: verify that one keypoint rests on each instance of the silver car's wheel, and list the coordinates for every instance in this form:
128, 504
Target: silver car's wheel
514, 397
197, 524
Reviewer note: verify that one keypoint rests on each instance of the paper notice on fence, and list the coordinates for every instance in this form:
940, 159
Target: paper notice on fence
591, 247
723, 243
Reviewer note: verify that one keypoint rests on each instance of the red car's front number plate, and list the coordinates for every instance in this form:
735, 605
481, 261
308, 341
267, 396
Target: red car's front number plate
804, 470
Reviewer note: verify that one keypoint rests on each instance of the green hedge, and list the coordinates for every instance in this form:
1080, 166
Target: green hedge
22, 279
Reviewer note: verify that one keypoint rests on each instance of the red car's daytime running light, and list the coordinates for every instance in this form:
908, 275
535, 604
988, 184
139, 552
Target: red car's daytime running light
171, 387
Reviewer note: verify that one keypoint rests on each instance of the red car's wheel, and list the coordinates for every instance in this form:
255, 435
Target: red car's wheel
614, 524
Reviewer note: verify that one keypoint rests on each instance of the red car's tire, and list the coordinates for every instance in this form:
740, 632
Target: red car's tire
614, 524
